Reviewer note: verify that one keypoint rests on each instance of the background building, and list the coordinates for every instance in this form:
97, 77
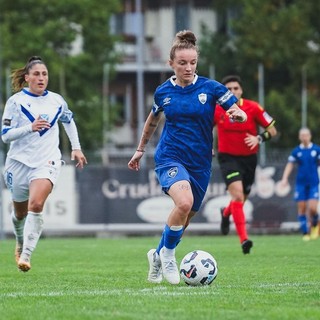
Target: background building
147, 29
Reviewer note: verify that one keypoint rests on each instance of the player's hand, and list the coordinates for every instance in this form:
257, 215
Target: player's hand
251, 141
284, 182
236, 114
78, 156
40, 124
134, 163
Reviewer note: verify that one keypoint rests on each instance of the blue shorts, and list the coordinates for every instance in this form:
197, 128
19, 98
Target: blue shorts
172, 172
304, 193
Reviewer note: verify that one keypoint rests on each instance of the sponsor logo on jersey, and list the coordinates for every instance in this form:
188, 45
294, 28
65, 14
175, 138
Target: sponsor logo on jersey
7, 122
202, 98
166, 101
172, 172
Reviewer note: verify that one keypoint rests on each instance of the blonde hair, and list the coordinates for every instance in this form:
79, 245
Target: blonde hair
183, 40
18, 81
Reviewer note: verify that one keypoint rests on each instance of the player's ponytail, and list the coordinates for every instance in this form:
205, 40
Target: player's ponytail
18, 75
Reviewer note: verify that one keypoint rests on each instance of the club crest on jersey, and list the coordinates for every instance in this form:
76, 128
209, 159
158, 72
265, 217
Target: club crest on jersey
313, 153
44, 116
202, 98
172, 172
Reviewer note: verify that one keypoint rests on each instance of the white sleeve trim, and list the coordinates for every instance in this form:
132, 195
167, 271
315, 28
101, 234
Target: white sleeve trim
72, 133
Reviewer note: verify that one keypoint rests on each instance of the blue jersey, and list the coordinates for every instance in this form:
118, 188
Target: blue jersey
307, 160
187, 134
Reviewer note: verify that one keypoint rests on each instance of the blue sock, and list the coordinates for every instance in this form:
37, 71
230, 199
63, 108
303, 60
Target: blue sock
172, 236
303, 224
315, 220
175, 237
161, 243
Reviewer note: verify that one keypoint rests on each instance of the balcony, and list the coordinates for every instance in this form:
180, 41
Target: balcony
153, 60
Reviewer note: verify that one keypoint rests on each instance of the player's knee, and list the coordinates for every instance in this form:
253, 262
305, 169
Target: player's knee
237, 195
36, 206
185, 206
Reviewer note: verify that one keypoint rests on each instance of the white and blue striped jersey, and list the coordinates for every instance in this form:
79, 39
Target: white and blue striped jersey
187, 134
35, 148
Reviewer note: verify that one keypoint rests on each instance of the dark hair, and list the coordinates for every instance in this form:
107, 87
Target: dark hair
231, 78
17, 76
32, 61
183, 40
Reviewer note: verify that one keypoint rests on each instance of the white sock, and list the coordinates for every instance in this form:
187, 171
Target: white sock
32, 231
176, 228
169, 253
18, 226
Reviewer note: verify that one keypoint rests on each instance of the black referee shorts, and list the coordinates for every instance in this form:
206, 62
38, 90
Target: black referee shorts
238, 168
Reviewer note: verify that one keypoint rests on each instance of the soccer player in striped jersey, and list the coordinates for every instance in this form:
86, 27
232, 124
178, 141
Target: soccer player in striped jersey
238, 160
33, 162
184, 153
306, 157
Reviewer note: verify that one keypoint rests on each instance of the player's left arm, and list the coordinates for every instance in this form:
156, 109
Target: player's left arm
225, 98
71, 130
76, 154
79, 157
236, 114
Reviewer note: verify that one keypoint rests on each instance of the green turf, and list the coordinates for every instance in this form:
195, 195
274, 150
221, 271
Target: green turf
91, 278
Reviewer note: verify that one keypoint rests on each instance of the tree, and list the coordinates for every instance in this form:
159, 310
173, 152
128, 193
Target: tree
284, 37
51, 29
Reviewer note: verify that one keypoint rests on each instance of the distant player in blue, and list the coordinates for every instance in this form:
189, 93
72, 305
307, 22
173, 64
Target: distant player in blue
306, 156
184, 152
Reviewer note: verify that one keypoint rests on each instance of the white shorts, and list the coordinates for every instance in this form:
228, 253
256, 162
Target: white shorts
17, 177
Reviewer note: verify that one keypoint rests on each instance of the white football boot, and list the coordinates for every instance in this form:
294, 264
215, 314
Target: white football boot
169, 268
155, 271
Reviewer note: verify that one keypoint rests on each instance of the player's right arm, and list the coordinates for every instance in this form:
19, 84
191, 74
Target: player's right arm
286, 173
149, 128
12, 129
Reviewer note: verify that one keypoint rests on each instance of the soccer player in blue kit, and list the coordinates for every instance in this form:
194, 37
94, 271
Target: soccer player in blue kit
306, 156
33, 163
184, 153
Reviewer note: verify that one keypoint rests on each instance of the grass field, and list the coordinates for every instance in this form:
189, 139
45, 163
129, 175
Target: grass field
89, 278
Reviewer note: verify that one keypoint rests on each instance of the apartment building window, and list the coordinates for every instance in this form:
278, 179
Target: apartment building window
124, 23
117, 24
182, 15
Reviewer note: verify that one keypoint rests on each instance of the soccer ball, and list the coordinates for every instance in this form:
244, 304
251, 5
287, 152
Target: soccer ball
198, 268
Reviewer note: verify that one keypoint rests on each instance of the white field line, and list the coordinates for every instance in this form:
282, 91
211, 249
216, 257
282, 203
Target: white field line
181, 291
156, 291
